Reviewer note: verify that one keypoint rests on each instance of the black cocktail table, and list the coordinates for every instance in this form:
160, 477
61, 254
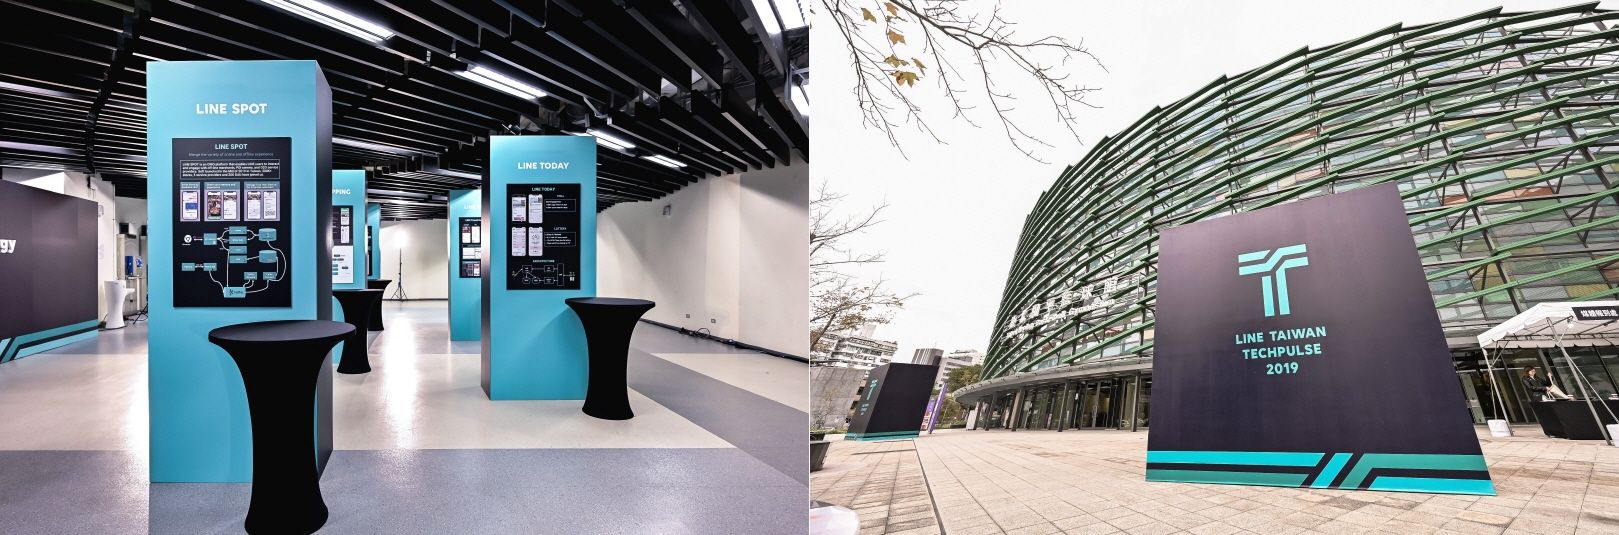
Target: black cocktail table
280, 363
376, 311
357, 312
608, 322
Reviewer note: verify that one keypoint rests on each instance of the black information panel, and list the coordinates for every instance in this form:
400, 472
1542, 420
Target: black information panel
232, 226
1298, 346
544, 251
471, 247
342, 216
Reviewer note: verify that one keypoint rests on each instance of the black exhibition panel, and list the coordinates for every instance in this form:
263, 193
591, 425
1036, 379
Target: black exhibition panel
280, 362
608, 323
892, 401
1298, 345
357, 311
376, 309
48, 274
1572, 419
544, 250
471, 253
233, 222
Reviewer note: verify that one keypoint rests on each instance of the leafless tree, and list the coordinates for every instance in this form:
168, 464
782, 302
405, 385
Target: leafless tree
886, 41
839, 300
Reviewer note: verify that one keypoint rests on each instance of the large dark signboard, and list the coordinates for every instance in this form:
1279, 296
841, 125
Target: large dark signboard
1298, 346
47, 267
544, 246
892, 402
232, 227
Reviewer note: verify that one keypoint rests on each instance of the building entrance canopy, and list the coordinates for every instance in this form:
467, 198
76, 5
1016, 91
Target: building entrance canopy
1559, 325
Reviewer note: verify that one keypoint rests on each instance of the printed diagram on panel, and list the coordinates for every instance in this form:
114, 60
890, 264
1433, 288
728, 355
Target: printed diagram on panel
231, 230
544, 223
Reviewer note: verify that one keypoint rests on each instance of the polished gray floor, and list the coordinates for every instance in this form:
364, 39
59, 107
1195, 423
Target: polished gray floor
755, 482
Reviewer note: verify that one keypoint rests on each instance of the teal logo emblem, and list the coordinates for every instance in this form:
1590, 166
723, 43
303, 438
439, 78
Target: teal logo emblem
1273, 264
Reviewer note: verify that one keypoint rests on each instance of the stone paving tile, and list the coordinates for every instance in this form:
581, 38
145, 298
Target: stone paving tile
1041, 482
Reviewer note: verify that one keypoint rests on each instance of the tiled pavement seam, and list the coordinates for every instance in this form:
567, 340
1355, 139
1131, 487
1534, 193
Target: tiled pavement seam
883, 483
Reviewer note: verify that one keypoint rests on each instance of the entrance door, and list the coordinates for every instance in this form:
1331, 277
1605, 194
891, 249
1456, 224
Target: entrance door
1482, 400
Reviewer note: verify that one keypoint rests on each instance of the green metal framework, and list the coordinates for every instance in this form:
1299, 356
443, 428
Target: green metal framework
1499, 129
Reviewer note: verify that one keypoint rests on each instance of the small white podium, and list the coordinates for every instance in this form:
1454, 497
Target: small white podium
116, 293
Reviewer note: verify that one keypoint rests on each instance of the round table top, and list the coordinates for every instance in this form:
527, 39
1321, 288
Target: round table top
281, 331
609, 302
357, 290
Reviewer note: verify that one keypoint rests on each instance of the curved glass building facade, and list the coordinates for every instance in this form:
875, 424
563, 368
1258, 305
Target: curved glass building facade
1500, 129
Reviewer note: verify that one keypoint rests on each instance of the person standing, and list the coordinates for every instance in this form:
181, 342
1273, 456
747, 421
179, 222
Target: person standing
1536, 384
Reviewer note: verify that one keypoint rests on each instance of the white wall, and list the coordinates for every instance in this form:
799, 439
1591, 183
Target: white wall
101, 192
732, 257
425, 250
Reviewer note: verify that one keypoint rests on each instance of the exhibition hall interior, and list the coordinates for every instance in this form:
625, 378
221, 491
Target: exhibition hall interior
362, 266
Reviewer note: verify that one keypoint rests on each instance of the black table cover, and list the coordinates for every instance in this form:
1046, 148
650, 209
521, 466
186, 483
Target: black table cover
608, 322
376, 311
357, 306
280, 363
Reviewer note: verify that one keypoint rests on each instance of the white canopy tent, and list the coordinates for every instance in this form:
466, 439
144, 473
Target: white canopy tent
1559, 325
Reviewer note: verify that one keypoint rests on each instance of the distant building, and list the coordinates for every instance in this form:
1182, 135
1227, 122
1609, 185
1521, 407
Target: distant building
833, 394
853, 350
928, 356
956, 359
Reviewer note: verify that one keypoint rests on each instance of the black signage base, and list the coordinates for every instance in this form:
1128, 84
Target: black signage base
1298, 346
232, 230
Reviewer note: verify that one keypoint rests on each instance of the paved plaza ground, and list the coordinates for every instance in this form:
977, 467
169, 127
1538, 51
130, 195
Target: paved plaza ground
1042, 482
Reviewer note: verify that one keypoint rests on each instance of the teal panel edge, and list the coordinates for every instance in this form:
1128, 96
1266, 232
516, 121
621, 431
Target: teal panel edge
533, 346
1261, 458
19, 347
466, 295
373, 221
199, 423
1268, 479
890, 435
348, 189
1439, 485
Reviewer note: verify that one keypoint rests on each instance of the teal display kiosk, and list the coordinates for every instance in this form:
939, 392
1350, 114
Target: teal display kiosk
373, 225
239, 187
467, 240
539, 205
347, 239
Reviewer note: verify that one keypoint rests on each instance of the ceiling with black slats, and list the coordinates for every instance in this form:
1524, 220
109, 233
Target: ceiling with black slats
705, 84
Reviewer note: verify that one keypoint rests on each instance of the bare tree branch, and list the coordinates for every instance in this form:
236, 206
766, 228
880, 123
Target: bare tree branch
883, 71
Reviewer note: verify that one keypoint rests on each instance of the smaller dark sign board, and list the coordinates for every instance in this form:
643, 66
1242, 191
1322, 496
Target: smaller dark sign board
893, 401
1607, 313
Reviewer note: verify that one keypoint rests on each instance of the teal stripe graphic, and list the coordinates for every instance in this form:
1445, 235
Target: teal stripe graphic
1420, 461
1233, 478
889, 435
1330, 472
20, 341
1255, 458
1433, 484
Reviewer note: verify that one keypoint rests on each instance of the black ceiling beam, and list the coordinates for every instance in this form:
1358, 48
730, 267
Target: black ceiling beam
666, 24
736, 108
679, 120
711, 116
572, 33
616, 26
121, 58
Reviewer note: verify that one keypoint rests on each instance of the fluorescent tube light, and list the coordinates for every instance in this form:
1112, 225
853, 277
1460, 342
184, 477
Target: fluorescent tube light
501, 82
792, 14
665, 161
610, 141
324, 13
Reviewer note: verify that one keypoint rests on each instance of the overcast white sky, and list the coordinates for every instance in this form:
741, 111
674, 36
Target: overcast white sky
955, 210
